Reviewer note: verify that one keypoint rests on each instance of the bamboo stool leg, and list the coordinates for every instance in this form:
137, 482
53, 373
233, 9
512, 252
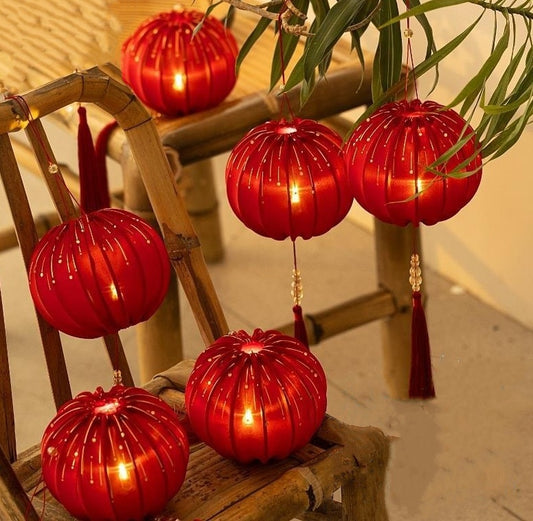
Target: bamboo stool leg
159, 338
394, 246
197, 186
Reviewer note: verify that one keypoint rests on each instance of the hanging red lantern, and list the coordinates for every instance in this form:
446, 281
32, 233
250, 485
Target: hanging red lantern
388, 156
256, 397
177, 69
288, 179
99, 273
114, 456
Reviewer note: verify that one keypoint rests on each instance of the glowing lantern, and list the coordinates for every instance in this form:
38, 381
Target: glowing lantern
388, 158
388, 155
175, 68
288, 179
114, 456
256, 397
105, 271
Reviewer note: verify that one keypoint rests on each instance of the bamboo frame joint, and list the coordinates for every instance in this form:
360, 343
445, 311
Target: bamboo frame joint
178, 245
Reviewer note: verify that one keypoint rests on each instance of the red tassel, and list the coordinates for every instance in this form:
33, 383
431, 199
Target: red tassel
421, 379
300, 332
94, 193
100, 150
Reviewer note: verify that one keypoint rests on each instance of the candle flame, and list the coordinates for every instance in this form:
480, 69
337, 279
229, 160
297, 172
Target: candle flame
114, 292
122, 472
295, 194
179, 81
248, 418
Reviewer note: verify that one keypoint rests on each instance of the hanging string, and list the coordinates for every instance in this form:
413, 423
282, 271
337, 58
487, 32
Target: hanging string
420, 378
285, 97
408, 33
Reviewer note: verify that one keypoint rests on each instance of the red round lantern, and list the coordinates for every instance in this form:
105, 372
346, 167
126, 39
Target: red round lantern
256, 397
288, 179
174, 69
114, 456
105, 271
387, 158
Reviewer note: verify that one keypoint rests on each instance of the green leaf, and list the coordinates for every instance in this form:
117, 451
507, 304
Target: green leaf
430, 47
478, 81
288, 42
260, 28
419, 70
390, 46
340, 16
419, 9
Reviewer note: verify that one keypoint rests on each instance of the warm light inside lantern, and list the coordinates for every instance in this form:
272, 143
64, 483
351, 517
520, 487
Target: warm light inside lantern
107, 407
248, 418
114, 292
179, 81
286, 130
252, 347
123, 472
295, 194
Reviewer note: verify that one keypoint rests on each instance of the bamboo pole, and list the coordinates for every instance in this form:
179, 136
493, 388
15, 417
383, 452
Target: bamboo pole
345, 316
215, 131
159, 339
393, 252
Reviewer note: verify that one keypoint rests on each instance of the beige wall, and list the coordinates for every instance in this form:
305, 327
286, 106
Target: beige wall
488, 247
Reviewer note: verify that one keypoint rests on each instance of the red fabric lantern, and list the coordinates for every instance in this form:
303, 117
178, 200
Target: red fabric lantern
287, 179
105, 271
114, 456
256, 397
176, 71
387, 158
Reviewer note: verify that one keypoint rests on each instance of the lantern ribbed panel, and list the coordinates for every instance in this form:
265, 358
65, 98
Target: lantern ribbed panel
256, 397
387, 158
114, 456
175, 73
288, 179
100, 273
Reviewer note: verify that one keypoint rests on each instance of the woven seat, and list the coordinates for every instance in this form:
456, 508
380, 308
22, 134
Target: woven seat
340, 456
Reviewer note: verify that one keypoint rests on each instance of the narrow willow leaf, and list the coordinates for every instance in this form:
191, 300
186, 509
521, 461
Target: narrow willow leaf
340, 16
430, 45
320, 8
419, 70
515, 132
296, 76
478, 81
426, 7
490, 125
502, 109
288, 42
390, 46
259, 29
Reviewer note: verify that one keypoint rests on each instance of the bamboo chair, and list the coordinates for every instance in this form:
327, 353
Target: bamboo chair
194, 140
350, 458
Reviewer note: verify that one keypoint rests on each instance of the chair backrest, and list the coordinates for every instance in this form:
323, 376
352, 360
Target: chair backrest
25, 112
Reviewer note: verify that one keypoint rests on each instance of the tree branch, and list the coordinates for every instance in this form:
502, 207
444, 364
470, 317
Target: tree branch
526, 12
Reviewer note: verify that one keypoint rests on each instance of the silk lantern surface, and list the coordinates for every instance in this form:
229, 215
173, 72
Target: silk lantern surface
114, 456
175, 70
288, 179
387, 158
105, 271
256, 397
